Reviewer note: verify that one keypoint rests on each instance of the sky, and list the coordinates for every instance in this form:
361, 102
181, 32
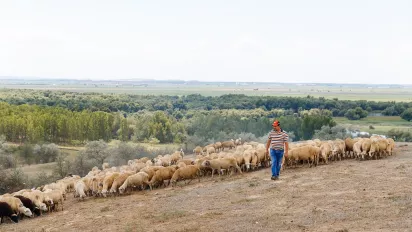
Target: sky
351, 41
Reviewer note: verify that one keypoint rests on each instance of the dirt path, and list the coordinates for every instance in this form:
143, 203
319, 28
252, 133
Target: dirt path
349, 195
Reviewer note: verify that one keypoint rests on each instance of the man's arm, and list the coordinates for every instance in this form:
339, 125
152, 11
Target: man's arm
286, 148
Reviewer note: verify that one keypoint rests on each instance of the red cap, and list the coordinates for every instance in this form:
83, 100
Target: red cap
276, 123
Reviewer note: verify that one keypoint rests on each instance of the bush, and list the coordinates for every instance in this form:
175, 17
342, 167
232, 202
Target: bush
12, 180
331, 133
400, 135
45, 153
407, 114
356, 114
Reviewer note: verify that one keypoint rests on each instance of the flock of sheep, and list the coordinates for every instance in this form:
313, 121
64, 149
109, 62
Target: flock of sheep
219, 158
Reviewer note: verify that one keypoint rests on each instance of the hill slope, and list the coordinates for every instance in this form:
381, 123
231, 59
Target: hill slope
348, 195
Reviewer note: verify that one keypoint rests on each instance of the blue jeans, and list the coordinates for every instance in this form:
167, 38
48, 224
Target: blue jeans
276, 157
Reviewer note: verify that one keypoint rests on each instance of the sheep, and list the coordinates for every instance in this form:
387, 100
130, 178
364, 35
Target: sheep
119, 181
261, 155
16, 205
219, 164
247, 156
198, 150
391, 146
151, 170
238, 141
163, 174
6, 211
108, 181
228, 144
188, 172
366, 146
105, 166
57, 198
176, 156
349, 145
186, 161
338, 149
218, 146
210, 150
357, 149
325, 151
35, 198
181, 165
80, 189
307, 152
138, 179
29, 204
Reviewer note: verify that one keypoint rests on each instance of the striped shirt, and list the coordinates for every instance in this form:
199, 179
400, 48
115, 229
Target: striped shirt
277, 139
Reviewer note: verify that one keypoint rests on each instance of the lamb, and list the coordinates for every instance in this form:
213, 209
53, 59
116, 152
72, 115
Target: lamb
138, 179
219, 164
6, 211
189, 172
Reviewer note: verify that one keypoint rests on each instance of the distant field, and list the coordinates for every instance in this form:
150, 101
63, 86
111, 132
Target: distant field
342, 92
382, 124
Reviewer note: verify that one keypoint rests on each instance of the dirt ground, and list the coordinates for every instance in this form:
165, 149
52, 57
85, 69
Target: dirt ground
349, 195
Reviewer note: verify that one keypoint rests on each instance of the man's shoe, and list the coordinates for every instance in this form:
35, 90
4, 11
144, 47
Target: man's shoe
273, 178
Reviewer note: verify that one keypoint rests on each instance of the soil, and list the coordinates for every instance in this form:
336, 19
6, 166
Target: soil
349, 195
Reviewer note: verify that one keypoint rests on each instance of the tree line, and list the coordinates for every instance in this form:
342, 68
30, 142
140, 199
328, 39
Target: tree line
129, 103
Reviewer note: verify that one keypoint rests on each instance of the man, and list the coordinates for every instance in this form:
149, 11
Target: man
279, 146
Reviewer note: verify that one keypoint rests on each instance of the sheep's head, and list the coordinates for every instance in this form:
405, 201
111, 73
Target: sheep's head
206, 163
43, 207
25, 211
122, 189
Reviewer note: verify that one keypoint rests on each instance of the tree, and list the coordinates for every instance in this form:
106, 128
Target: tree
97, 150
63, 165
356, 114
407, 114
26, 153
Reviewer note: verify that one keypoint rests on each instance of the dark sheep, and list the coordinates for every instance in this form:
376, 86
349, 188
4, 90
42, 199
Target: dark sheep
29, 204
6, 211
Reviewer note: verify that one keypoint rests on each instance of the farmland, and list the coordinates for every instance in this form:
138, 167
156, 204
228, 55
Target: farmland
179, 88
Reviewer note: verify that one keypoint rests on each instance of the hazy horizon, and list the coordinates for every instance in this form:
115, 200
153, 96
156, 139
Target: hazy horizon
357, 42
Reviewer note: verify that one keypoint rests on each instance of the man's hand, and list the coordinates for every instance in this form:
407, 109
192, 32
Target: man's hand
286, 153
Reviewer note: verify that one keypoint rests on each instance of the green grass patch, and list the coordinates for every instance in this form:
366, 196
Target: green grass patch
381, 124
